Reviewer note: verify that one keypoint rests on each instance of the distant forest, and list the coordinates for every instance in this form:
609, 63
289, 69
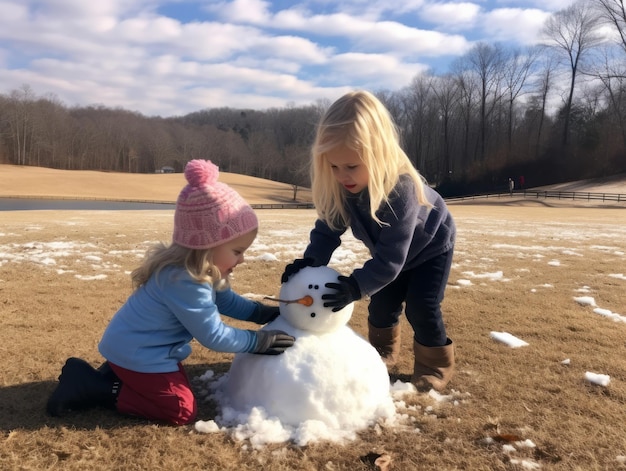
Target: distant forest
550, 113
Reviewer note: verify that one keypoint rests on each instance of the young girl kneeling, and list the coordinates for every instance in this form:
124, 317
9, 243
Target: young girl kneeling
180, 292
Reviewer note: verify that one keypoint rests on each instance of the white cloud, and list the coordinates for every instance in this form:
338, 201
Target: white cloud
148, 29
12, 12
292, 47
451, 14
372, 70
244, 11
153, 57
514, 24
377, 8
406, 40
376, 36
548, 5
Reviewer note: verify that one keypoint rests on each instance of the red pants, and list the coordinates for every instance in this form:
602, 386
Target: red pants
156, 396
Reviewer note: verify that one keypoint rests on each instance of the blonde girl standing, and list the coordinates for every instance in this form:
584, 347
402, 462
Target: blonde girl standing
363, 180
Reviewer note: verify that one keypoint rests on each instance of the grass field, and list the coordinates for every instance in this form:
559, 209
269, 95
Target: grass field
19, 181
552, 276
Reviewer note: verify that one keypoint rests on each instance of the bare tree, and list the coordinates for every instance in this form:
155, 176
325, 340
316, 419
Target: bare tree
447, 92
468, 91
421, 116
613, 12
486, 61
21, 122
543, 85
612, 69
51, 129
518, 67
572, 33
393, 102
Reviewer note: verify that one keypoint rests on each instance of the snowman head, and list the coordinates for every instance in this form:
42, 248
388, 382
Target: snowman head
311, 281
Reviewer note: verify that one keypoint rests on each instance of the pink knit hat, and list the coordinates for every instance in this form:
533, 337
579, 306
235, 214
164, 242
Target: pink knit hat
209, 213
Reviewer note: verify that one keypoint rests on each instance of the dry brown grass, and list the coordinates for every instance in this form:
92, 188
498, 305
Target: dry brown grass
47, 315
20, 181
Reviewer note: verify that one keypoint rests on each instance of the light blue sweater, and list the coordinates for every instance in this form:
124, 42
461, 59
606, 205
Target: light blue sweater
151, 332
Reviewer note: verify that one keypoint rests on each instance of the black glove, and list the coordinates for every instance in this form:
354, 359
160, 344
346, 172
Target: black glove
297, 265
347, 292
272, 342
264, 314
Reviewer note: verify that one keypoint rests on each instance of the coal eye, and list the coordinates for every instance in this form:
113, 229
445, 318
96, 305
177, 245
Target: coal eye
313, 314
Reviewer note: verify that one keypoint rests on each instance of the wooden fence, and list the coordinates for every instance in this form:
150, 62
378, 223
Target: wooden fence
539, 194
282, 205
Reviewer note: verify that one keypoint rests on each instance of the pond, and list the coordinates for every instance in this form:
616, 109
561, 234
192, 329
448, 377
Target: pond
25, 204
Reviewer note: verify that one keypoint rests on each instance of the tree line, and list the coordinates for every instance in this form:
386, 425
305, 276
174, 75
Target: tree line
550, 113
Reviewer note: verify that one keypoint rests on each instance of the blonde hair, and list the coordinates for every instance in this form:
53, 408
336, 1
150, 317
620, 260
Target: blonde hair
359, 121
197, 262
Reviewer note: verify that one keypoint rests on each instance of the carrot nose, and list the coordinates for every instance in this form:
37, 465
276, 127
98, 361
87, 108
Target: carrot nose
305, 300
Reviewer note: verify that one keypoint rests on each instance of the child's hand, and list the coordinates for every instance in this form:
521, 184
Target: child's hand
297, 265
347, 292
272, 342
264, 314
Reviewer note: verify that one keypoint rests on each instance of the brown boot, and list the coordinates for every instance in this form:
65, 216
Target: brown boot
386, 341
434, 366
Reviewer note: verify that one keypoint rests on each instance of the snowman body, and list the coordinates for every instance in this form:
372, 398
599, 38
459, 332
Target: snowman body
331, 375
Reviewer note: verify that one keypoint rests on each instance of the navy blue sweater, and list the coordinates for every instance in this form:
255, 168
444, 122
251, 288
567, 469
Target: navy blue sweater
412, 234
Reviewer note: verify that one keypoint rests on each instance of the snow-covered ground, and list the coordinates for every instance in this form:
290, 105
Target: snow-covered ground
482, 244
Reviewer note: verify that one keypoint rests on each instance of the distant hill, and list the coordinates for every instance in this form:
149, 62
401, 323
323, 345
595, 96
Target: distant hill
25, 181
612, 184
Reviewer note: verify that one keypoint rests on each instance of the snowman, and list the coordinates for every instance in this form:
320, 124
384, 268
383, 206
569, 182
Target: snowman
330, 380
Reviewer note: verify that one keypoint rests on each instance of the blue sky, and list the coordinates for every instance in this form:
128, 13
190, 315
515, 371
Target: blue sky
168, 58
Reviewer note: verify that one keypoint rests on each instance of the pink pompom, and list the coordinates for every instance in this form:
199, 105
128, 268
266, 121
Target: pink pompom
201, 173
